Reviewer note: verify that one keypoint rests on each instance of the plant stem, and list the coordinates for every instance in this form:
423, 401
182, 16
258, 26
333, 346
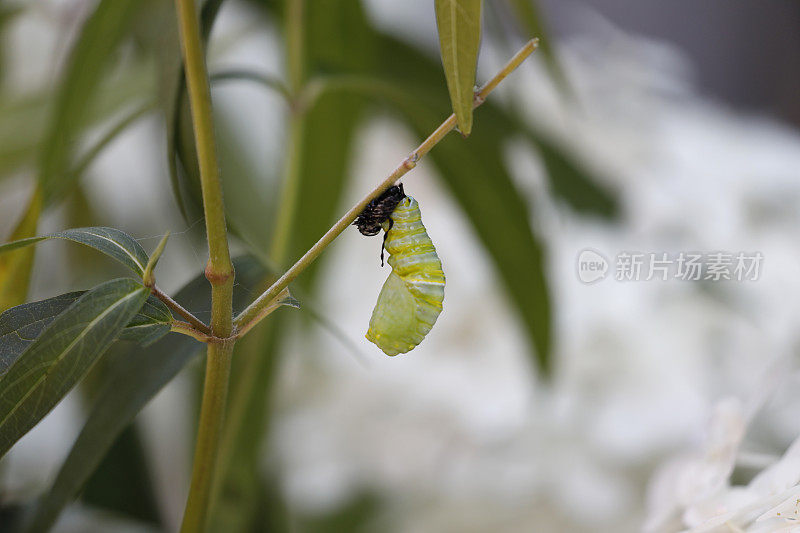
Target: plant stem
184, 328
219, 269
219, 272
294, 45
212, 415
254, 374
252, 314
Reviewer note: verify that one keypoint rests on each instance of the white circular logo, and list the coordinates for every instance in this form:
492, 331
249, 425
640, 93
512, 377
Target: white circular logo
592, 266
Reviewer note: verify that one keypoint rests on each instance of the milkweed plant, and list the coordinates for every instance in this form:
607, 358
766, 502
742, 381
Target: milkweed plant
47, 347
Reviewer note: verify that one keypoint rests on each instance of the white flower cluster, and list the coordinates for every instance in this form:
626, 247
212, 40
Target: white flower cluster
695, 494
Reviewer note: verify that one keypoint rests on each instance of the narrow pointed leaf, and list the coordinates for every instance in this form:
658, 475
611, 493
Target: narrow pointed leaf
130, 385
132, 381
150, 324
124, 482
570, 182
181, 159
25, 120
20, 325
338, 40
94, 47
113, 242
93, 50
529, 17
147, 276
459, 23
65, 351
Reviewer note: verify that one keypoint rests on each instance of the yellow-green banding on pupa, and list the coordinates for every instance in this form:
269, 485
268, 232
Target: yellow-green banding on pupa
411, 299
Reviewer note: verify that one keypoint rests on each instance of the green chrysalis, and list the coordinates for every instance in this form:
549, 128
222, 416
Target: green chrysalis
411, 298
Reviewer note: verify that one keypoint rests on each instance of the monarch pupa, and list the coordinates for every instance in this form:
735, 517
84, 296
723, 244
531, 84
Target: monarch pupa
411, 298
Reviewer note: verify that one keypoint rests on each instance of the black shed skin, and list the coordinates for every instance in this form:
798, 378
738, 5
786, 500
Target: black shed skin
378, 210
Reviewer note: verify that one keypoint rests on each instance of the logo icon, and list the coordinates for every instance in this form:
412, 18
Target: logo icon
592, 266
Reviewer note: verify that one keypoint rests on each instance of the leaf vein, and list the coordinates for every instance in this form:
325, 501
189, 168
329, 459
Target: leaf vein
64, 353
135, 260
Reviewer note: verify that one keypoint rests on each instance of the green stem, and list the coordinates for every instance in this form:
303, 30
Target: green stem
212, 415
294, 45
219, 269
291, 182
185, 328
254, 377
219, 272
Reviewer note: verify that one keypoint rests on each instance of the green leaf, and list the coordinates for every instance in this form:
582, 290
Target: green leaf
150, 324
111, 134
123, 483
130, 385
25, 120
92, 52
21, 132
148, 276
20, 325
64, 352
570, 182
501, 219
529, 17
459, 23
338, 41
22, 123
15, 268
131, 382
250, 194
7, 14
113, 242
181, 158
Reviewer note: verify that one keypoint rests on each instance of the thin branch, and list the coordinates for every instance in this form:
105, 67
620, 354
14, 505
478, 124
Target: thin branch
273, 305
253, 313
182, 311
185, 328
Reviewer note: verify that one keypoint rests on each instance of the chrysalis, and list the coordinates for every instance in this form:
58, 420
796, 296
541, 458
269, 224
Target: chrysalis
411, 298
